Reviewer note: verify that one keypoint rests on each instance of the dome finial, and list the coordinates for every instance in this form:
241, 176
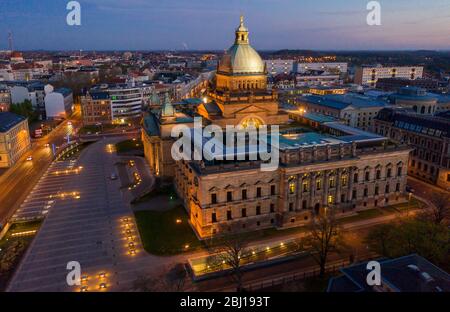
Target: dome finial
241, 33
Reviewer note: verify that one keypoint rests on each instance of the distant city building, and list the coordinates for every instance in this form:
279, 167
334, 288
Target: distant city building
34, 91
327, 90
96, 108
368, 75
5, 98
409, 274
393, 84
14, 138
429, 136
317, 78
6, 73
354, 109
27, 71
417, 99
59, 103
278, 66
330, 67
125, 100
16, 57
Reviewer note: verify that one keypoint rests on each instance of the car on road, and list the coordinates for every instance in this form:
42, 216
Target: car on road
113, 176
29, 158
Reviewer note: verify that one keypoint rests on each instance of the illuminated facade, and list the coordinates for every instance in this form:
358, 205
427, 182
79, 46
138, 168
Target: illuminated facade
240, 95
340, 168
14, 138
369, 75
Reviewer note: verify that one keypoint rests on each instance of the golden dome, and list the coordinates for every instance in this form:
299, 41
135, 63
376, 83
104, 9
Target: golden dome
241, 58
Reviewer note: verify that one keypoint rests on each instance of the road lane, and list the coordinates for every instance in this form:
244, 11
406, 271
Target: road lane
18, 180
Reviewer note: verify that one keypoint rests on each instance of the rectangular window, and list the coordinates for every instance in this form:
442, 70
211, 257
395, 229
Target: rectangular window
399, 171
272, 190
366, 192
355, 178
304, 204
244, 194
305, 187
376, 190
213, 198
331, 183
344, 180
244, 212
213, 217
330, 199
291, 206
272, 208
397, 187
387, 189
367, 175
389, 172
258, 210
229, 215
229, 196
354, 194
292, 188
258, 192
318, 185
378, 174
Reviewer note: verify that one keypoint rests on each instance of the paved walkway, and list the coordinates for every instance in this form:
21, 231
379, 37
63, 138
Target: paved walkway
89, 230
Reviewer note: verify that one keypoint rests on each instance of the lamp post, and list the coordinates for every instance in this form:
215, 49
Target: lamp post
409, 203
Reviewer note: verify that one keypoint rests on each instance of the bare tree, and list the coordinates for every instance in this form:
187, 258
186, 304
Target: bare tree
229, 249
172, 280
439, 212
324, 237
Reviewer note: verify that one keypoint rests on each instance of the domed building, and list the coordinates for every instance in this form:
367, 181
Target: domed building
240, 96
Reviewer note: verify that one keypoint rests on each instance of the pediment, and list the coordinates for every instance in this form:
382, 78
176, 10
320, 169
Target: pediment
251, 109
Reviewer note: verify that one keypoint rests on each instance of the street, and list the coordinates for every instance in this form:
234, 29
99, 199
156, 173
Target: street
17, 181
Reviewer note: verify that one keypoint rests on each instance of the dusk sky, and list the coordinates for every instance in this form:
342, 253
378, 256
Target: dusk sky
209, 24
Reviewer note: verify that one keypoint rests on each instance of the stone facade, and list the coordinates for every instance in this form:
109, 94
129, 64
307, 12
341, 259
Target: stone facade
346, 180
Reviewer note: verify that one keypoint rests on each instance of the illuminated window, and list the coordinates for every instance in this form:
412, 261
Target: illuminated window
291, 187
331, 183
305, 187
318, 185
330, 199
344, 180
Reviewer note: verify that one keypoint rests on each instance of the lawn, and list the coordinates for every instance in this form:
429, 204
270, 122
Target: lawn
159, 189
129, 145
162, 235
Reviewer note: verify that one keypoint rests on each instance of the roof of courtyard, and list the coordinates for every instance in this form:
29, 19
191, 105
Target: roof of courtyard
342, 101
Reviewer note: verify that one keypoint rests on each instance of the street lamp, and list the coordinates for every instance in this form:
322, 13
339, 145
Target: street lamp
409, 203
